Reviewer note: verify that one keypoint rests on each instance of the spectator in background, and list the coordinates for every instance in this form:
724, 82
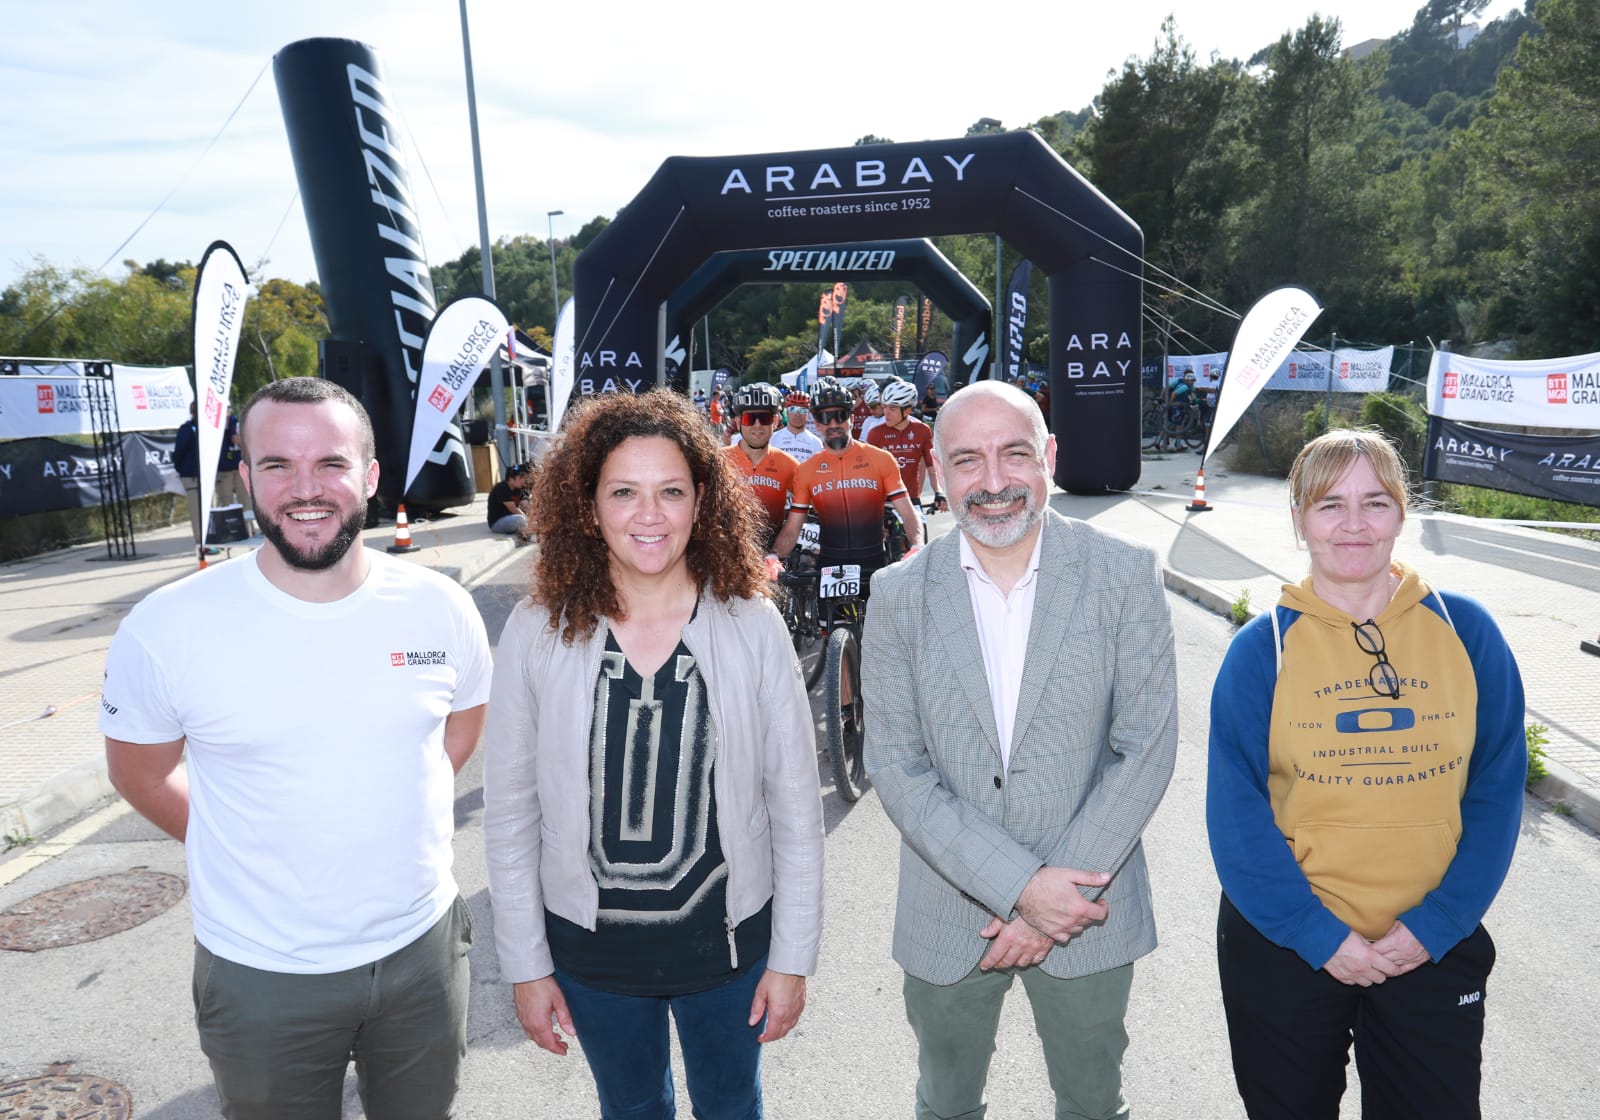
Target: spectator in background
186, 461
229, 490
508, 501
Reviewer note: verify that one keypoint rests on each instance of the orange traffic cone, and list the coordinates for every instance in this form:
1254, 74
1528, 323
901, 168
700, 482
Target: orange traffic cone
1199, 503
402, 532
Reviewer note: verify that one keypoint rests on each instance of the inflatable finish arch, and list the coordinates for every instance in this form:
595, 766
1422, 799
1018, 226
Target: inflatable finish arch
916, 261
1011, 184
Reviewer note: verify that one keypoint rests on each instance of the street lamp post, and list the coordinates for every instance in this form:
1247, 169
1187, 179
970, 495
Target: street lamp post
550, 239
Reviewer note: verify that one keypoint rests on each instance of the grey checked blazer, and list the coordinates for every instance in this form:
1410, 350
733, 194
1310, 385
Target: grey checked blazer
1092, 750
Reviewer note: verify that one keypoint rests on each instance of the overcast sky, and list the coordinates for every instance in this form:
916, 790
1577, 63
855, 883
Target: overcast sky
107, 108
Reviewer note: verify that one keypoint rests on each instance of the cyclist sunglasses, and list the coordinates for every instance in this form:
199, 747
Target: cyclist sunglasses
832, 415
748, 418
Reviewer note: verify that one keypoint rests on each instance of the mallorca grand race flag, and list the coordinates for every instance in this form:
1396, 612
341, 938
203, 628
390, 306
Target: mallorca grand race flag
563, 351
1268, 332
465, 333
220, 289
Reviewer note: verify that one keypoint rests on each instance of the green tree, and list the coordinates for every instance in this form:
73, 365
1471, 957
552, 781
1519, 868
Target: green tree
283, 322
1538, 154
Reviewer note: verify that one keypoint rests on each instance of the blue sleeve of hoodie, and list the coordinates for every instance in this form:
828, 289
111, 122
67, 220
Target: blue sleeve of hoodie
1491, 807
1253, 859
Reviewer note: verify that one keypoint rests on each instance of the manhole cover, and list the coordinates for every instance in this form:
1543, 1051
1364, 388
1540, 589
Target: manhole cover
64, 1096
87, 911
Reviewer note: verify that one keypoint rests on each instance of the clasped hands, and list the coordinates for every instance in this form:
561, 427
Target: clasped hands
1365, 963
1050, 911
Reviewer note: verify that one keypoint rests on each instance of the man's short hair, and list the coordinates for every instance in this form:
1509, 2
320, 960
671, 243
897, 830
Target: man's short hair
309, 390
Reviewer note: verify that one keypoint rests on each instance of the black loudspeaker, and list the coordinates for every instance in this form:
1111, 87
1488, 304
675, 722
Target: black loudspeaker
227, 525
345, 364
476, 432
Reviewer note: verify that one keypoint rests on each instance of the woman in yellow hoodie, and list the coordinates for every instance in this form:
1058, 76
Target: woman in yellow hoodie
1367, 760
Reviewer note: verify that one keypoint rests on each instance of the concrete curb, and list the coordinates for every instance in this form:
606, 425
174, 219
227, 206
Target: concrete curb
1565, 792
57, 801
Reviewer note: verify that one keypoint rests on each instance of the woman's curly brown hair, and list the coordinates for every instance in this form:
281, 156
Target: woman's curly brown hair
572, 577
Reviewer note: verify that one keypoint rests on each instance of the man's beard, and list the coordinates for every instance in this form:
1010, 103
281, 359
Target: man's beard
749, 439
837, 440
323, 558
1002, 532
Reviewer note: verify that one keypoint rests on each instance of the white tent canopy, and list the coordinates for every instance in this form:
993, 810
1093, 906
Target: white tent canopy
794, 377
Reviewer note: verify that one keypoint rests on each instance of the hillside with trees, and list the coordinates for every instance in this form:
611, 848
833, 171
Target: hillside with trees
1439, 186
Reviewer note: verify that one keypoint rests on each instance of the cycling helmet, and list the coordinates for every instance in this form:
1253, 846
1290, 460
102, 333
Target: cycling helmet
900, 394
758, 396
831, 394
870, 393
797, 399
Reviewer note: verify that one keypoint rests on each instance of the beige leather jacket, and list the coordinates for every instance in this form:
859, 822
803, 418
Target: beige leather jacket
536, 780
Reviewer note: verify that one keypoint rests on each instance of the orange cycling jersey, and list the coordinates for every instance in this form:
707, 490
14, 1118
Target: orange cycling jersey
771, 481
909, 446
848, 490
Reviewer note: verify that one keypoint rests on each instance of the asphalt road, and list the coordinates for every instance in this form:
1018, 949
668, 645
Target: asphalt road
120, 1008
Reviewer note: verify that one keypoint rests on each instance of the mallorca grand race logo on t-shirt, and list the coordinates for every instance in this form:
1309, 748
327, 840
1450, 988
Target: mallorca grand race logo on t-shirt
417, 657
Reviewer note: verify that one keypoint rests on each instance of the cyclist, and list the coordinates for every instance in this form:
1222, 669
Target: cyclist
874, 412
1177, 389
847, 483
793, 437
909, 440
767, 471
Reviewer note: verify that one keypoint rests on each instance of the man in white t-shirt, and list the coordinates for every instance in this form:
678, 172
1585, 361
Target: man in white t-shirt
795, 438
317, 802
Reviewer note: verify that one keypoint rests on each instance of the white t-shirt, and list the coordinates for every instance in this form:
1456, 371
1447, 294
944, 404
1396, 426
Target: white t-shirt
868, 424
802, 444
320, 796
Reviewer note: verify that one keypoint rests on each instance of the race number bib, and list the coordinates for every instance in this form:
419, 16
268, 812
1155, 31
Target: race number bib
810, 537
840, 582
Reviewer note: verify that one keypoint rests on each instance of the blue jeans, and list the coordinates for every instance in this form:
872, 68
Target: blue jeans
624, 1039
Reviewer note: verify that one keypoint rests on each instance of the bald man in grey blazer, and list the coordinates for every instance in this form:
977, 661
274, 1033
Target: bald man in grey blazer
1021, 721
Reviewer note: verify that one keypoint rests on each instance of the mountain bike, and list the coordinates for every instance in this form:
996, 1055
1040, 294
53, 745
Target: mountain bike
1173, 424
839, 590
823, 612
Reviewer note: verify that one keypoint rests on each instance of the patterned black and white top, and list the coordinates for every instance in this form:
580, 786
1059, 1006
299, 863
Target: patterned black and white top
662, 927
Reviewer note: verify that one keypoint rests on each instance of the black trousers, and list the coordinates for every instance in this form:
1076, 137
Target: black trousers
1418, 1037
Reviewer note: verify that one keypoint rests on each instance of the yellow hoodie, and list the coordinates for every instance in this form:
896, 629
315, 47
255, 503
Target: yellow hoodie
1367, 790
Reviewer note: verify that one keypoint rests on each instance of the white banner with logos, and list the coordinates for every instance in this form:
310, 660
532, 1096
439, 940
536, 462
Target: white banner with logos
220, 291
1546, 393
53, 400
1356, 371
461, 341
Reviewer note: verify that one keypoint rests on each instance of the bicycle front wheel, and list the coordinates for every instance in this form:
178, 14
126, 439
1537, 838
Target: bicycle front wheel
807, 632
1189, 431
844, 721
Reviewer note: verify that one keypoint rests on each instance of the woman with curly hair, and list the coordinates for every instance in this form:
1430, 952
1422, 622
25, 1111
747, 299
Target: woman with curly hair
652, 817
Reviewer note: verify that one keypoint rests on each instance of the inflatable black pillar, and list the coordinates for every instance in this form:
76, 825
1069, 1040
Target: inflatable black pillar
345, 140
1011, 184
915, 261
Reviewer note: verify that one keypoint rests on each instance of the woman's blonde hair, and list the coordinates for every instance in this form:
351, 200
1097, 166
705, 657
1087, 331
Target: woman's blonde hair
1324, 461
